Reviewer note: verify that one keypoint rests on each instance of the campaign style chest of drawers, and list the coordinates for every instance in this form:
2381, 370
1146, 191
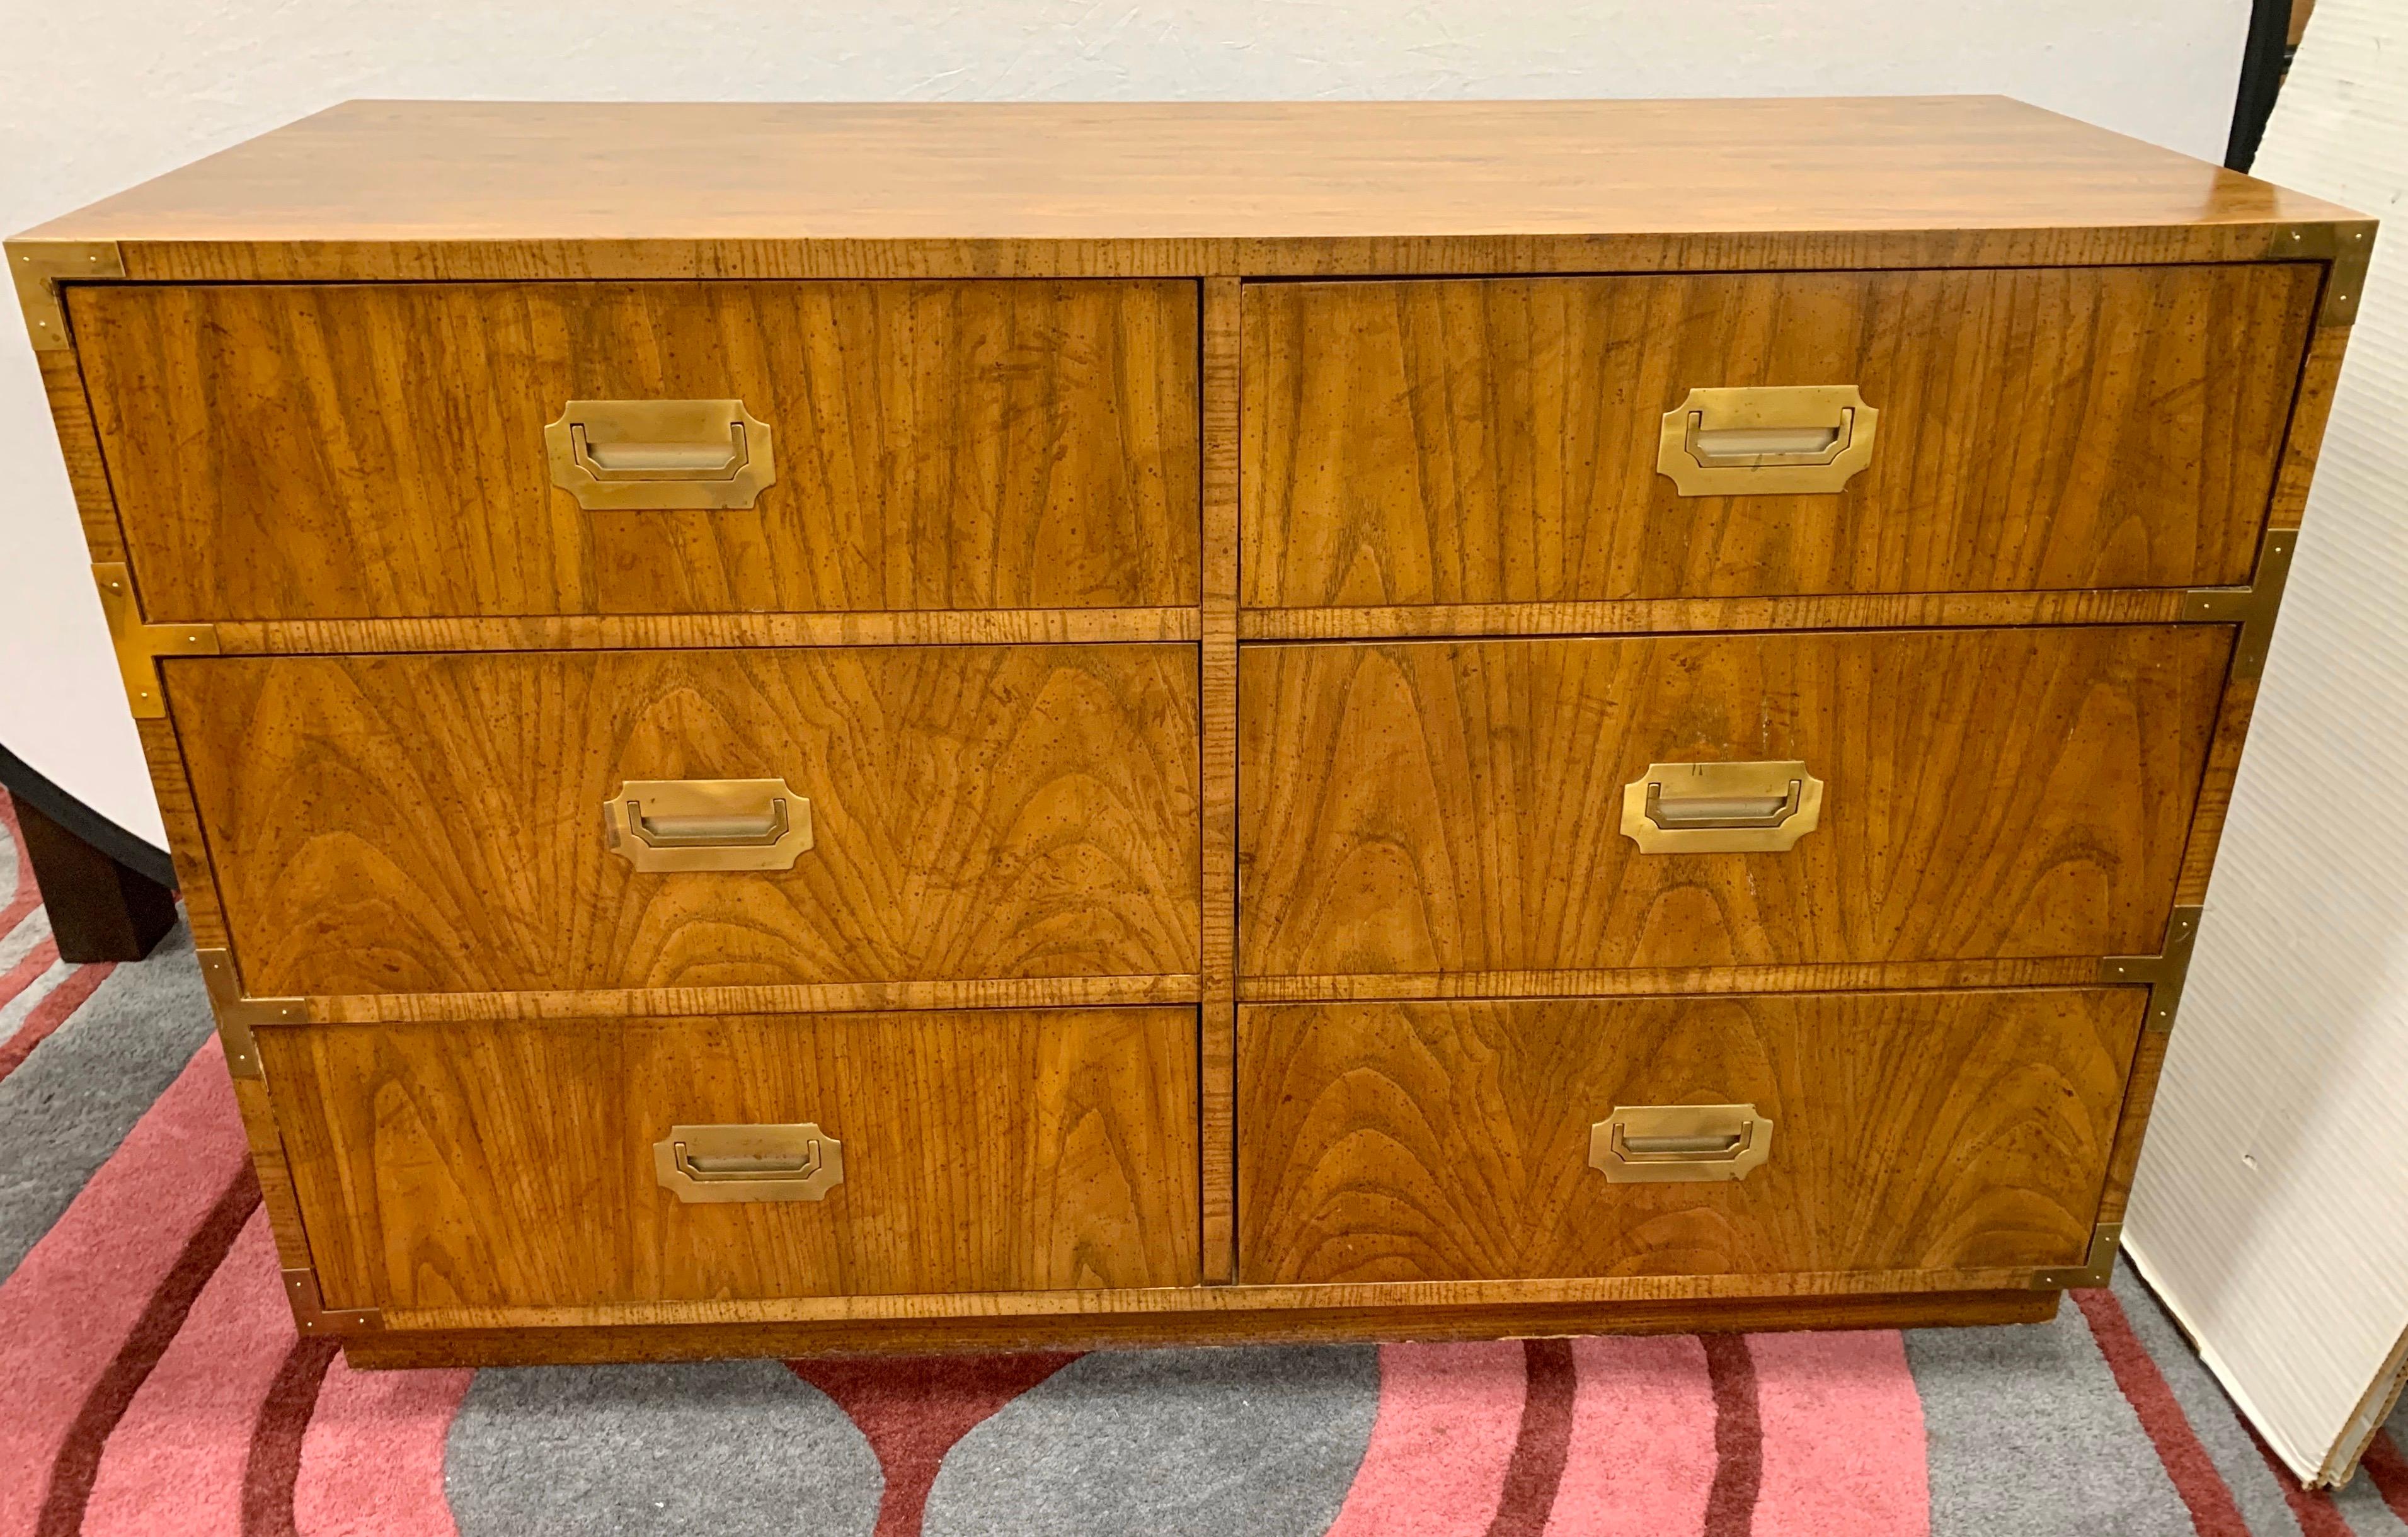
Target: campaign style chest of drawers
797, 728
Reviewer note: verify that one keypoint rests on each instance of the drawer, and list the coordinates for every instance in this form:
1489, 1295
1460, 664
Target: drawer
440, 823
1446, 1142
1435, 806
1490, 440
516, 1164
380, 450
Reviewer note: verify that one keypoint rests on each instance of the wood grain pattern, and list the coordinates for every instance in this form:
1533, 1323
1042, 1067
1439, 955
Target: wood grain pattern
275, 1171
623, 632
2319, 379
2139, 1098
2233, 712
1496, 440
1218, 1018
512, 1164
377, 451
1450, 1141
1668, 616
1098, 1329
423, 189
1657, 981
993, 992
433, 823
80, 448
196, 881
1432, 807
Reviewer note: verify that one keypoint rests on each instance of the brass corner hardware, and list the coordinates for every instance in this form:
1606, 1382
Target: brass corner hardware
1767, 440
2252, 607
795, 1162
1656, 1143
138, 645
238, 1015
2098, 1267
707, 455
1721, 808
2346, 248
662, 826
2163, 972
39, 266
309, 1313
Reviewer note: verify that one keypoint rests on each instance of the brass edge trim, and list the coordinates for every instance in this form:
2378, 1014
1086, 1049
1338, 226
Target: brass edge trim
39, 266
309, 1313
238, 1015
2346, 248
2098, 1267
2164, 973
2252, 607
139, 644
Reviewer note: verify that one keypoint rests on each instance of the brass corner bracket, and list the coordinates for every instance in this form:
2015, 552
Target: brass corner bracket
40, 265
2252, 607
139, 644
2164, 973
238, 1015
2346, 249
309, 1313
2098, 1267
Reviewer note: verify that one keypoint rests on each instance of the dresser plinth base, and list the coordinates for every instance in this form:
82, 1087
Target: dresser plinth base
566, 1345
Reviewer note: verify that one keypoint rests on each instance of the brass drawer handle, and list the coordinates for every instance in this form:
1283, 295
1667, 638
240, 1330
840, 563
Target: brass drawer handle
1650, 1144
789, 1163
706, 454
671, 825
1785, 440
1721, 808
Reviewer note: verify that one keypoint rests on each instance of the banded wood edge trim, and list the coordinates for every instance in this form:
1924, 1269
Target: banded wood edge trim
422, 260
1649, 616
800, 998
1225, 1298
591, 632
1891, 977
1218, 404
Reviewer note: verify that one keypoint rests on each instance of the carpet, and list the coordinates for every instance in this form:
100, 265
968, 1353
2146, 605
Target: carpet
151, 1385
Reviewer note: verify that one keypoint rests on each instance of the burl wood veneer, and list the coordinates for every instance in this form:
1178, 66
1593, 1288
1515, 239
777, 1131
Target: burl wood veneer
1031, 725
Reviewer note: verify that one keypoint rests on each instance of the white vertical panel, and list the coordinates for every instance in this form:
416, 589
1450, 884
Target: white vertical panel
2271, 1209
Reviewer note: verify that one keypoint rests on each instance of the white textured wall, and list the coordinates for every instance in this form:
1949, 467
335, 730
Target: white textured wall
98, 94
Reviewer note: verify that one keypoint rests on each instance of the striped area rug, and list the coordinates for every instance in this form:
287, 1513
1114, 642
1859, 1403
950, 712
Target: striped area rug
151, 1385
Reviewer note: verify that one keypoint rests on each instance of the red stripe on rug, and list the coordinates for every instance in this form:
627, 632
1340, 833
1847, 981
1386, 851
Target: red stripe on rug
1440, 1441
273, 1469
65, 996
1642, 1462
75, 1470
28, 896
372, 1459
41, 958
2312, 1509
146, 1228
1544, 1443
2386, 1470
912, 1410
1738, 1437
2212, 1509
1843, 1442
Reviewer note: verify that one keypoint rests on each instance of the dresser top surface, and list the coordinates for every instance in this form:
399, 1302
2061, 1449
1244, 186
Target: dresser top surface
373, 171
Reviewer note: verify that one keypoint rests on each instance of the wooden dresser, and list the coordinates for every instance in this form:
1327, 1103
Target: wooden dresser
798, 728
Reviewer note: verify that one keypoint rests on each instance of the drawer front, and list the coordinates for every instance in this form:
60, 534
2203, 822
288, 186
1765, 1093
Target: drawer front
1460, 806
379, 451
444, 823
513, 1164
1450, 1142
1497, 440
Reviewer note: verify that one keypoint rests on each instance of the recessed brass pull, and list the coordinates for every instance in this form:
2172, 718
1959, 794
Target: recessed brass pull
1644, 1143
1785, 440
1721, 808
695, 454
795, 1162
671, 825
